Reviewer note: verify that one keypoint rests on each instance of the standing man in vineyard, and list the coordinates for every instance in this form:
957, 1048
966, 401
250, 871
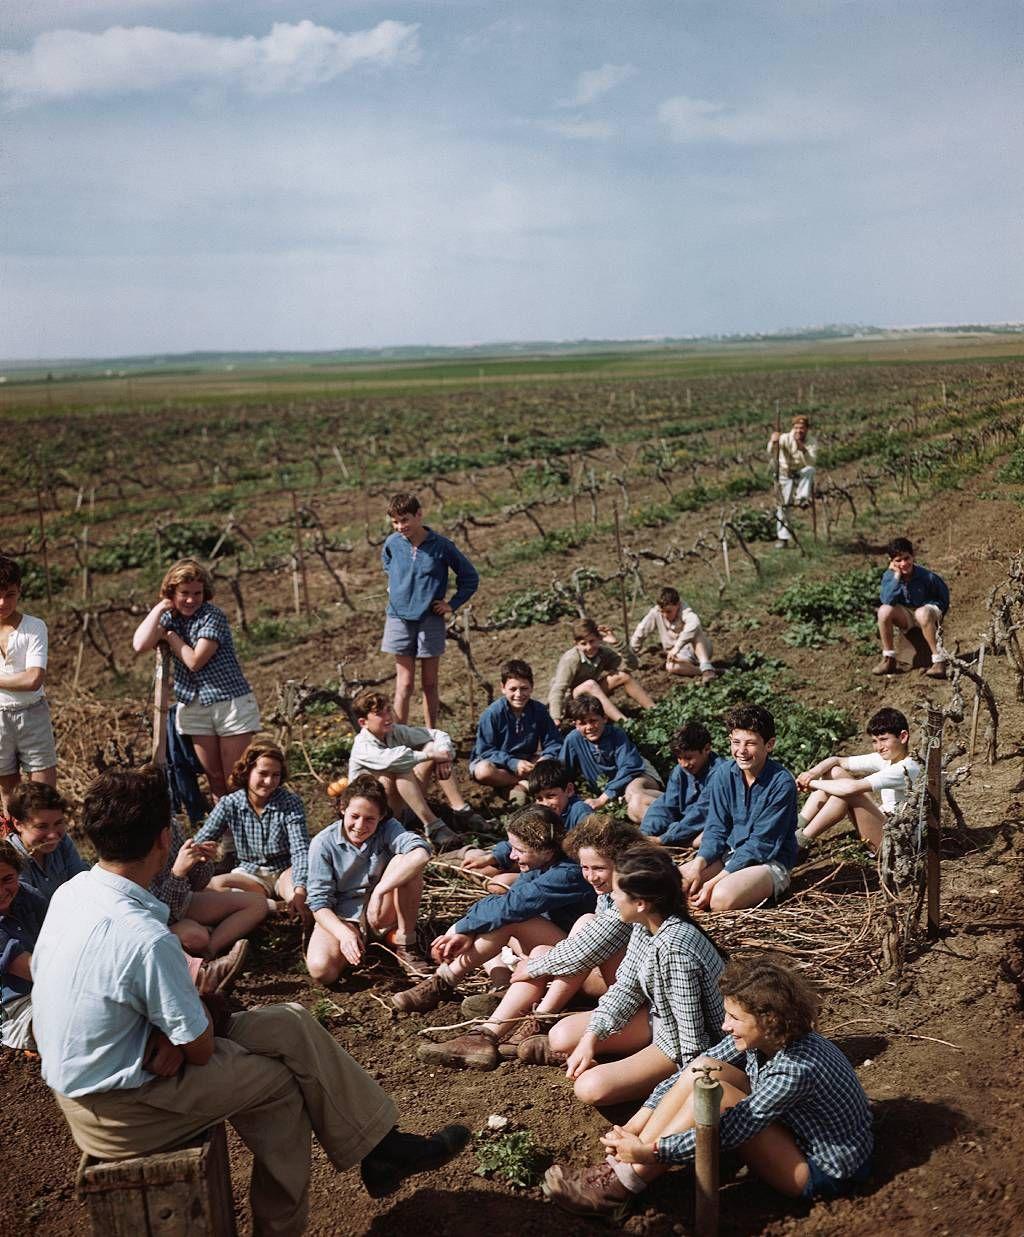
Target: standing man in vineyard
794, 455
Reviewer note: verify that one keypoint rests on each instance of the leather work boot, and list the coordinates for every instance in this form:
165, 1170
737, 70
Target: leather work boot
421, 998
477, 1050
537, 1050
594, 1191
515, 1034
887, 665
219, 974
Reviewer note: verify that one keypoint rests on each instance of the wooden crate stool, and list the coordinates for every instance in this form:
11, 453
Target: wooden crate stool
185, 1192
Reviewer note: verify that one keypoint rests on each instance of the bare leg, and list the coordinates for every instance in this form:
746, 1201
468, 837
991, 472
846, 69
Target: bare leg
47, 776
232, 748
234, 913
830, 813
888, 618
925, 616
208, 752
236, 880
738, 890
429, 669
324, 959
529, 934
639, 795
631, 1078
685, 669
632, 689
592, 688
488, 774
405, 678
410, 790
450, 789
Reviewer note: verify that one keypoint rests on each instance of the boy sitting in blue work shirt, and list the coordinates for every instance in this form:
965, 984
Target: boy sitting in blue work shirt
606, 757
911, 596
749, 841
677, 816
513, 733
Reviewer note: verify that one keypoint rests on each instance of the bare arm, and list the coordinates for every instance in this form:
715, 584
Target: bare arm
400, 869
804, 780
844, 787
200, 1050
29, 680
194, 658
21, 966
149, 633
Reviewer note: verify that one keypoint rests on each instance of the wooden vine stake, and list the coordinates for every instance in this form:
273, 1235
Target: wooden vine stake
161, 703
934, 818
725, 558
622, 575
300, 563
467, 613
707, 1102
977, 703
43, 545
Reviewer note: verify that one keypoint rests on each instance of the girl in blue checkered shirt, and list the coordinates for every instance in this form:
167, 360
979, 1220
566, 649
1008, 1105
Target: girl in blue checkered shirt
792, 1104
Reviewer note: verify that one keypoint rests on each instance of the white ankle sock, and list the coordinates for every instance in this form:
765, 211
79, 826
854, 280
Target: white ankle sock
888, 652
937, 657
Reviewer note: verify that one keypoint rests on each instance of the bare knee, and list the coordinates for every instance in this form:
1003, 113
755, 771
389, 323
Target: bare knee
886, 612
195, 939
323, 970
589, 1088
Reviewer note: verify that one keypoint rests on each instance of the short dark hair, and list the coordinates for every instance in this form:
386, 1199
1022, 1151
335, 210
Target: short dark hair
668, 596
753, 717
693, 737
584, 628
548, 775
10, 572
10, 855
583, 706
538, 827
261, 746
28, 798
515, 668
887, 721
403, 504
124, 812
369, 701
649, 872
899, 545
603, 833
364, 786
782, 1001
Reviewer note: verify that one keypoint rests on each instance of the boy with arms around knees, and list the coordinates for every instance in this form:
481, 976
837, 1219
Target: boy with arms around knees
889, 771
26, 732
365, 875
591, 668
749, 841
606, 757
686, 647
39, 834
405, 758
676, 817
911, 596
792, 1104
417, 562
513, 733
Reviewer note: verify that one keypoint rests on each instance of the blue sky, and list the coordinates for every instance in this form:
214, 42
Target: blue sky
216, 174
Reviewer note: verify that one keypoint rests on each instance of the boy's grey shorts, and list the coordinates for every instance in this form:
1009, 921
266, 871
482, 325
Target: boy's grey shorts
423, 637
26, 739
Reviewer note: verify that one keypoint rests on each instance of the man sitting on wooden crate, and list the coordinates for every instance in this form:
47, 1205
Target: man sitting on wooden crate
138, 1065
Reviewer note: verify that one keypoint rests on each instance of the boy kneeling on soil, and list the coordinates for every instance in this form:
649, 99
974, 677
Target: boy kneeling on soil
539, 909
365, 875
405, 758
791, 1104
545, 983
749, 841
606, 757
590, 667
911, 596
889, 770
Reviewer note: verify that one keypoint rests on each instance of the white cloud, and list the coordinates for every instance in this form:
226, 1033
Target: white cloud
582, 130
779, 121
592, 84
124, 59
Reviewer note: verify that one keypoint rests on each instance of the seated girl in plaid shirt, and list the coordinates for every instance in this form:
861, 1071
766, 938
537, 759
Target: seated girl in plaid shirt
216, 706
792, 1104
365, 875
664, 1007
269, 827
552, 975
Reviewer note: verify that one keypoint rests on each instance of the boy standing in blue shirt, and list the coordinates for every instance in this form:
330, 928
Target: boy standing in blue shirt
417, 561
676, 817
911, 596
513, 733
749, 842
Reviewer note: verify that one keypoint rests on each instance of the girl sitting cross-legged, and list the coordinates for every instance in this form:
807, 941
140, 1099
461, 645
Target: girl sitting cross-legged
365, 875
792, 1104
539, 909
545, 983
664, 1007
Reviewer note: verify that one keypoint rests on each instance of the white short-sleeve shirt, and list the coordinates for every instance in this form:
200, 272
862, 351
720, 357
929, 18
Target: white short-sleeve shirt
105, 971
26, 650
892, 781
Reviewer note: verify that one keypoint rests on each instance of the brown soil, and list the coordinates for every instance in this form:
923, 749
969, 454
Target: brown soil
940, 1058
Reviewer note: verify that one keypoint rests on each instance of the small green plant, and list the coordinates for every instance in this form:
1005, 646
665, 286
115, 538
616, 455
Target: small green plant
323, 1010
1013, 469
529, 606
510, 1154
820, 610
753, 525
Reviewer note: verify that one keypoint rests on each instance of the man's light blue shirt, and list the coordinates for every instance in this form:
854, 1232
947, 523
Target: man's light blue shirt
105, 972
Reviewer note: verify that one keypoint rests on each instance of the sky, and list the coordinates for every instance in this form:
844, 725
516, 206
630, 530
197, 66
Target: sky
182, 175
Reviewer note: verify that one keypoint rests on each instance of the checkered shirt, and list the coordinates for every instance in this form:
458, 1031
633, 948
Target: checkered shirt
176, 891
598, 940
278, 839
676, 972
221, 678
809, 1087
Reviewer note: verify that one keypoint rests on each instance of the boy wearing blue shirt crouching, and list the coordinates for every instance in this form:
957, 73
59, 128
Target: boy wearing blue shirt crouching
677, 817
513, 733
602, 754
749, 841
